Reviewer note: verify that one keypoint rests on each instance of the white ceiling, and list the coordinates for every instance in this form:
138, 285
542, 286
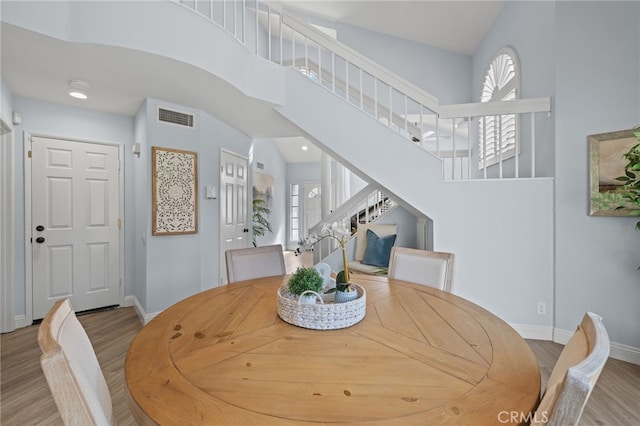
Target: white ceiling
455, 25
39, 67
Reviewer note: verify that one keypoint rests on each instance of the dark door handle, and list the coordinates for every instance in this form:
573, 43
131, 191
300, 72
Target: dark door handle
40, 240
246, 229
39, 228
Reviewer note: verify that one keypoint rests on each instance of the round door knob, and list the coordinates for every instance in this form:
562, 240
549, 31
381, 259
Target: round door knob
246, 229
40, 240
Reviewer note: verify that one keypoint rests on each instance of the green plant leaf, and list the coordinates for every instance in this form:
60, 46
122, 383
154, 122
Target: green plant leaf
304, 279
260, 223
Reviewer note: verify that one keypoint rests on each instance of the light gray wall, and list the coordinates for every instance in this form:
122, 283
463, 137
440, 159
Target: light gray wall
266, 152
501, 263
181, 265
597, 90
48, 119
441, 73
6, 103
173, 262
142, 181
356, 183
586, 56
528, 27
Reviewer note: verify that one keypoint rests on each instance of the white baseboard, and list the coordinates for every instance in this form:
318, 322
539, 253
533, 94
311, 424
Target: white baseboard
562, 336
618, 350
21, 321
144, 317
535, 332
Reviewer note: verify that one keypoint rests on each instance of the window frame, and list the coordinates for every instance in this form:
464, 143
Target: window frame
294, 220
489, 153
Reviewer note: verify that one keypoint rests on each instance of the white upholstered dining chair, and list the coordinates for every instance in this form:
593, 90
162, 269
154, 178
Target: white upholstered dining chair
575, 374
254, 262
72, 370
431, 268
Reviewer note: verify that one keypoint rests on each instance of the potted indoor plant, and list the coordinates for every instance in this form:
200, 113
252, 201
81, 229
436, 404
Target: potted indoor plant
260, 222
344, 290
305, 280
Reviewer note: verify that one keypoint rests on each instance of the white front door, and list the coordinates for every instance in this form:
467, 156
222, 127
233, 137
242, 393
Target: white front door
75, 237
312, 204
234, 225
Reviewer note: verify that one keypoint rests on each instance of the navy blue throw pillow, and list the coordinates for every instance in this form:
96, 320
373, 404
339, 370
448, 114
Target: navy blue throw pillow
378, 249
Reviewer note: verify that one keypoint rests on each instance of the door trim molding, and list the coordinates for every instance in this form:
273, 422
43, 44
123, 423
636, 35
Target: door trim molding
28, 260
7, 227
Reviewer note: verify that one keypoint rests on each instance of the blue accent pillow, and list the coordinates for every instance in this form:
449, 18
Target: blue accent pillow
378, 249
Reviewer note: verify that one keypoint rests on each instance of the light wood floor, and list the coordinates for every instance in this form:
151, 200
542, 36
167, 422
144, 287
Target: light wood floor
25, 398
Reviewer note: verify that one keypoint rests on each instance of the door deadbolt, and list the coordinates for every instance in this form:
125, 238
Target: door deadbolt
39, 228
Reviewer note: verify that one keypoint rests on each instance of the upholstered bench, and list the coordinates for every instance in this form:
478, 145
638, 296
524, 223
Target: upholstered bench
373, 249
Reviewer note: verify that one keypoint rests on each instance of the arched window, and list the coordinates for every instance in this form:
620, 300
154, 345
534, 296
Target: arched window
498, 134
314, 193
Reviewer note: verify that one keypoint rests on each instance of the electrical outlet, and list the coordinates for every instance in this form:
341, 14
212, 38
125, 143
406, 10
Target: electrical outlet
542, 308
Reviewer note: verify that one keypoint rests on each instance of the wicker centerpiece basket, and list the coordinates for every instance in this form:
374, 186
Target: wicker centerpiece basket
321, 316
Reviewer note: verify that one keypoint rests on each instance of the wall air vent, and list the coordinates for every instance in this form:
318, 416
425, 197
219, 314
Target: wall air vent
260, 165
174, 117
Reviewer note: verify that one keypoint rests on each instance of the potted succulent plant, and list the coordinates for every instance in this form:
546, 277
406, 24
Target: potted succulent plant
305, 279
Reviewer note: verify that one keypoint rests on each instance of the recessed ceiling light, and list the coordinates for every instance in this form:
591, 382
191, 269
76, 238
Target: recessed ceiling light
304, 147
80, 86
78, 95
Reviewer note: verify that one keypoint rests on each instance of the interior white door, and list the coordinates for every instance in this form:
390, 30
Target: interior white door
75, 225
234, 225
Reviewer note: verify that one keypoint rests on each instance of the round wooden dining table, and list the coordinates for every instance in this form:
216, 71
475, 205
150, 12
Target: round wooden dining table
419, 357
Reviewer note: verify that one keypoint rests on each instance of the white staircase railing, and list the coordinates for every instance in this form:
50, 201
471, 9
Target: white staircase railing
365, 206
445, 131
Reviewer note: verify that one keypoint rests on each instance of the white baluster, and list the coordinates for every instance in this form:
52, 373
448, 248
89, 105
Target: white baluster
533, 145
453, 148
469, 147
500, 143
361, 94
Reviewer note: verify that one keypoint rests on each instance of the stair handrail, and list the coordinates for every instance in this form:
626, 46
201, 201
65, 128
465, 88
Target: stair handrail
366, 64
369, 196
417, 109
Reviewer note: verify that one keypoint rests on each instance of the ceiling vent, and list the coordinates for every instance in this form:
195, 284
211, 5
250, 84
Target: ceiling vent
175, 117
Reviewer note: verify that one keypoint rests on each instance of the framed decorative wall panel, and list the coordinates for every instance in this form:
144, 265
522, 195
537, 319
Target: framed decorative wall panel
263, 188
174, 186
